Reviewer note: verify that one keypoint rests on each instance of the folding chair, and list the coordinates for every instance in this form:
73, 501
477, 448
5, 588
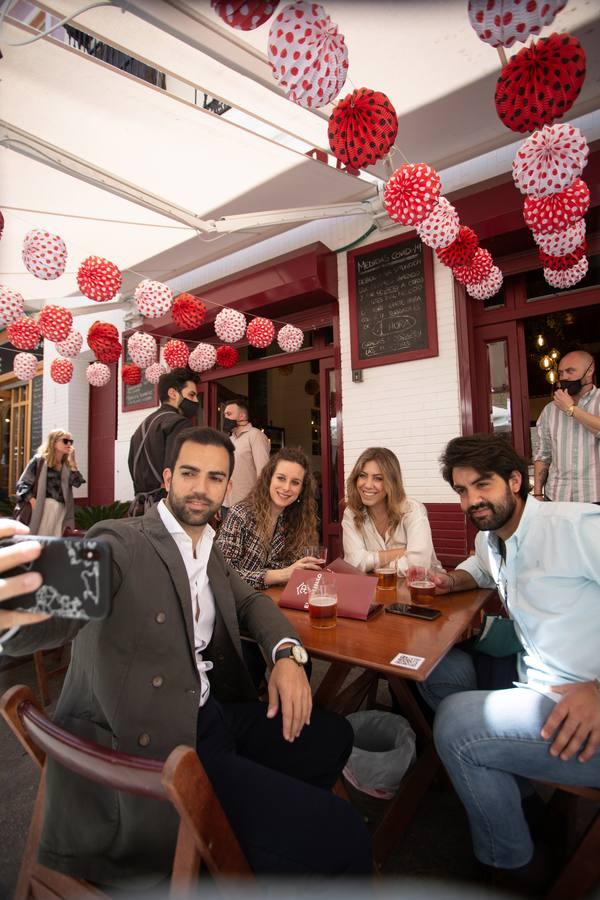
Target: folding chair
204, 835
581, 872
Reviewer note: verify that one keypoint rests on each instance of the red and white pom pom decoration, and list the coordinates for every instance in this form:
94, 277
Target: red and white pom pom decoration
462, 249
260, 332
176, 353
97, 374
103, 340
188, 312
230, 325
290, 338
562, 263
152, 373
153, 298
44, 254
99, 279
55, 323
488, 287
557, 211
1, 224
412, 193
550, 160
61, 371
568, 278
478, 269
12, 305
142, 349
501, 23
25, 366
227, 356
307, 54
559, 243
244, 14
441, 226
362, 128
131, 374
202, 358
71, 345
24, 334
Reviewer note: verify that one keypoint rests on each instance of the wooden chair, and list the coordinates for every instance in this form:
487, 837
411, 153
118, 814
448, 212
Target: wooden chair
44, 675
204, 836
581, 872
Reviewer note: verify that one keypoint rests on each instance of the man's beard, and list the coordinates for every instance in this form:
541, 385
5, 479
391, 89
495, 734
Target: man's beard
193, 517
498, 513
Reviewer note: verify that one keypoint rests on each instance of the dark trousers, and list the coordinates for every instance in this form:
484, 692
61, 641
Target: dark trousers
277, 795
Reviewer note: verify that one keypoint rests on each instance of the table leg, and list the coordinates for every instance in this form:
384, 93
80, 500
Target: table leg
411, 708
333, 680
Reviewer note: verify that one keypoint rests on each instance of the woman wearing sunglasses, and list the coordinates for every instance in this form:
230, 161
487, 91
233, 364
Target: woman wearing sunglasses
45, 489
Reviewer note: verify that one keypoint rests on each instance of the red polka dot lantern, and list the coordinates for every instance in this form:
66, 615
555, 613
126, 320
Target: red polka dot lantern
557, 211
362, 128
478, 269
25, 366
1, 224
97, 374
227, 356
103, 340
142, 349
411, 193
153, 299
487, 288
441, 226
12, 305
176, 353
558, 243
44, 254
462, 250
246, 15
502, 23
71, 344
540, 83
153, 373
230, 325
308, 56
202, 358
550, 160
568, 278
131, 374
55, 323
24, 334
188, 312
290, 338
260, 332
61, 371
98, 279
561, 263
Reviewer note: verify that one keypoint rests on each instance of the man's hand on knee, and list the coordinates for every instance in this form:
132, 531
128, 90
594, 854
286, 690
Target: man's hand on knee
575, 721
289, 686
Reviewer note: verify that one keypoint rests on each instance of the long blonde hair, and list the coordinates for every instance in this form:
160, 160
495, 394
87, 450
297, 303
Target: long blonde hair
395, 498
300, 519
47, 450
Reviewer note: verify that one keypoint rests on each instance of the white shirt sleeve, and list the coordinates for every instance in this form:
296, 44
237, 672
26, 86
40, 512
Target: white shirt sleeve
476, 565
418, 535
355, 548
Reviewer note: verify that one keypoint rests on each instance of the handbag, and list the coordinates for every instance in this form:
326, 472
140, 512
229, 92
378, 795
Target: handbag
23, 509
498, 638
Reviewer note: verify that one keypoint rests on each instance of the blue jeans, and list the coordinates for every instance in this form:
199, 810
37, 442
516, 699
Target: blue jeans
488, 741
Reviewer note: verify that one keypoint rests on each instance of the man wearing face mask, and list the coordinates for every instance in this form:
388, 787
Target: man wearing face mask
567, 461
152, 442
252, 451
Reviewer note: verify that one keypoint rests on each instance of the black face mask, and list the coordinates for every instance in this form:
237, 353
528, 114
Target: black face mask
229, 425
575, 386
189, 408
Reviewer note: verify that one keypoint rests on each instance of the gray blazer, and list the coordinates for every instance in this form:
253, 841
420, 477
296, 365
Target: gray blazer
109, 695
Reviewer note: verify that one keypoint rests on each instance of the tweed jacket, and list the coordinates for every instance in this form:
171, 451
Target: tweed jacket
112, 695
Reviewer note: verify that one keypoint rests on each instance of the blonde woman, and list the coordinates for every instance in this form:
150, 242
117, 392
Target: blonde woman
381, 524
47, 485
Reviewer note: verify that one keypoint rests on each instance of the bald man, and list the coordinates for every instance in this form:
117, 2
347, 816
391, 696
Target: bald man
567, 462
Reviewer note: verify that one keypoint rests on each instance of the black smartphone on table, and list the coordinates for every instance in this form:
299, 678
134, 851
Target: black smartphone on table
417, 612
76, 578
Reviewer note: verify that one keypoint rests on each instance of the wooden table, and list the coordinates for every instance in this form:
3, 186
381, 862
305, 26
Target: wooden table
371, 646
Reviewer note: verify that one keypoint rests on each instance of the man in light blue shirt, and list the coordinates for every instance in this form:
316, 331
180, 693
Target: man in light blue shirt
544, 560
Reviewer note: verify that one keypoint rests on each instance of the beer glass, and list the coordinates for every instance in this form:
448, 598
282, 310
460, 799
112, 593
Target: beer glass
322, 602
418, 578
318, 551
386, 577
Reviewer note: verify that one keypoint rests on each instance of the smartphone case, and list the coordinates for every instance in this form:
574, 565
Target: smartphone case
77, 578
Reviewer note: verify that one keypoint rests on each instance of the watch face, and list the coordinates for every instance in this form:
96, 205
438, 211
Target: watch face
300, 654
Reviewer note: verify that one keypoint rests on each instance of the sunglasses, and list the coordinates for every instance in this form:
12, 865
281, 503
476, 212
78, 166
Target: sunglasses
67, 440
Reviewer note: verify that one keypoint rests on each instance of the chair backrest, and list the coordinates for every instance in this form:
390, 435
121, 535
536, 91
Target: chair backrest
205, 834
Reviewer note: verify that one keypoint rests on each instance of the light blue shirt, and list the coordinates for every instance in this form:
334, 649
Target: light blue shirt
550, 585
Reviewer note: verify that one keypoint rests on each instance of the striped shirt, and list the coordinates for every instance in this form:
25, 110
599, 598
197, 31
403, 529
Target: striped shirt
573, 452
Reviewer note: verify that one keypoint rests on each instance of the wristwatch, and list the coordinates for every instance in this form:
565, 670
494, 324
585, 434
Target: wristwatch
295, 652
571, 410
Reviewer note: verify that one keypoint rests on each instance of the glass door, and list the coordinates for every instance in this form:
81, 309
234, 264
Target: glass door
332, 466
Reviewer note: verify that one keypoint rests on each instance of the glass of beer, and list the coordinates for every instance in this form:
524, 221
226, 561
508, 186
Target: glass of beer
418, 579
386, 578
322, 602
318, 551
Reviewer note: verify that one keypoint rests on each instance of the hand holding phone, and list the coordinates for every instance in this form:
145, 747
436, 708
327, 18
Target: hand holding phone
417, 612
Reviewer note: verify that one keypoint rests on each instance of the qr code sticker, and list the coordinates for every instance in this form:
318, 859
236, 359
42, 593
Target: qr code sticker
406, 661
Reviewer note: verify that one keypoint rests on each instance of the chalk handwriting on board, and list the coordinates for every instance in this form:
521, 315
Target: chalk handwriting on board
392, 324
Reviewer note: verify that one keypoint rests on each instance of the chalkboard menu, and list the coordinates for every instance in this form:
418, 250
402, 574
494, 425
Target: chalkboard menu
137, 396
392, 302
37, 402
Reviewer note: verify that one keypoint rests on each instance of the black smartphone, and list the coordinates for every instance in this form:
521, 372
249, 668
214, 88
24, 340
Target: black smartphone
418, 612
77, 578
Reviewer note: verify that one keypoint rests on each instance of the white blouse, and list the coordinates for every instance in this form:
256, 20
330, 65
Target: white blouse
362, 545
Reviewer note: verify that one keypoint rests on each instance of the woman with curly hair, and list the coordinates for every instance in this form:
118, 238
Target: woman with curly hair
264, 536
381, 524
